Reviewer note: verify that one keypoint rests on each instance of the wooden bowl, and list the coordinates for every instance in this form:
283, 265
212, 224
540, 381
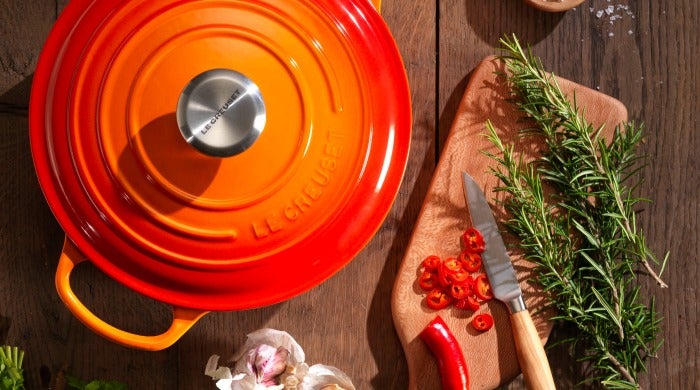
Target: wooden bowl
554, 5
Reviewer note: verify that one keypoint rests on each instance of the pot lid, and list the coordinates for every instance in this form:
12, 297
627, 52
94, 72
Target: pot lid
222, 154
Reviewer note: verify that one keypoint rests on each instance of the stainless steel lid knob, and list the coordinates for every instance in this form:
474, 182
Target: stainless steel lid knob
221, 112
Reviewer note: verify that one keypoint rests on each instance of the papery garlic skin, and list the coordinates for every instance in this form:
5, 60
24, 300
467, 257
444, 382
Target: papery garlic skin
213, 370
223, 373
274, 338
322, 377
272, 360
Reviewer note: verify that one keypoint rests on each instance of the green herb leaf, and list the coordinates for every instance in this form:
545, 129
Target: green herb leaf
11, 373
581, 233
75, 383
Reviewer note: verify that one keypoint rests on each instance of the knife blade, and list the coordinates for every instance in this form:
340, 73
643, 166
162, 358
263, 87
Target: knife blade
499, 268
505, 287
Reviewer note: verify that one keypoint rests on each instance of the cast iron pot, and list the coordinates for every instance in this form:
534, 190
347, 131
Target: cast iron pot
217, 155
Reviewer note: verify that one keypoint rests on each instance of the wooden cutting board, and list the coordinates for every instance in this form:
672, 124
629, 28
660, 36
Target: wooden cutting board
491, 355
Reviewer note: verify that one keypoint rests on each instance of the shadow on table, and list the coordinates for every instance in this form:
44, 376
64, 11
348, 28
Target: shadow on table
529, 24
32, 315
381, 334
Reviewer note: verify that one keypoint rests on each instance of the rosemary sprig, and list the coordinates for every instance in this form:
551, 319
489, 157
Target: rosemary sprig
573, 211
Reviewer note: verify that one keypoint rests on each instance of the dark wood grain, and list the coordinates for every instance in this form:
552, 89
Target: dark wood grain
641, 53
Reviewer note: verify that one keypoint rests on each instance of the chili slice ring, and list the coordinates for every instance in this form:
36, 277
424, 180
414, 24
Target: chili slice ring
473, 240
482, 322
438, 298
482, 288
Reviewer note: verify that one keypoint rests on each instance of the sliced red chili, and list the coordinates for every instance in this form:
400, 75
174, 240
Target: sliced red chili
463, 289
451, 264
432, 263
454, 374
482, 322
473, 240
459, 276
468, 303
428, 280
482, 288
451, 270
460, 290
438, 298
471, 261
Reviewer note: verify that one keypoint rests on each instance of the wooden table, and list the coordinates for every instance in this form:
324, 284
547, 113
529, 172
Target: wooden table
642, 52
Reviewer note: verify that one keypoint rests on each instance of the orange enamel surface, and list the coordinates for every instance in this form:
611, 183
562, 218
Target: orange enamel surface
208, 232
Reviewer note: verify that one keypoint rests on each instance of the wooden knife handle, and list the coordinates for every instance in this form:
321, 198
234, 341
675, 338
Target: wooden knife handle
533, 360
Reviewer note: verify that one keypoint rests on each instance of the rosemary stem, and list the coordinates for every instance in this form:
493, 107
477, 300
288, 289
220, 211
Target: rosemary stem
581, 231
621, 368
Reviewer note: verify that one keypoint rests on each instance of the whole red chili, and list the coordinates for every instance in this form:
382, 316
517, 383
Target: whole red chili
442, 343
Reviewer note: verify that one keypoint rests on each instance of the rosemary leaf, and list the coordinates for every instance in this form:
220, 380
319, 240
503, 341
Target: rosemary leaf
573, 210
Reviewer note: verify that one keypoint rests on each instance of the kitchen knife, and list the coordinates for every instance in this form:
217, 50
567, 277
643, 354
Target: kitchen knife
531, 355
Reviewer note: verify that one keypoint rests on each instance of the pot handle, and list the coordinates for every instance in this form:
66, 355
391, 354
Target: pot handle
183, 318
